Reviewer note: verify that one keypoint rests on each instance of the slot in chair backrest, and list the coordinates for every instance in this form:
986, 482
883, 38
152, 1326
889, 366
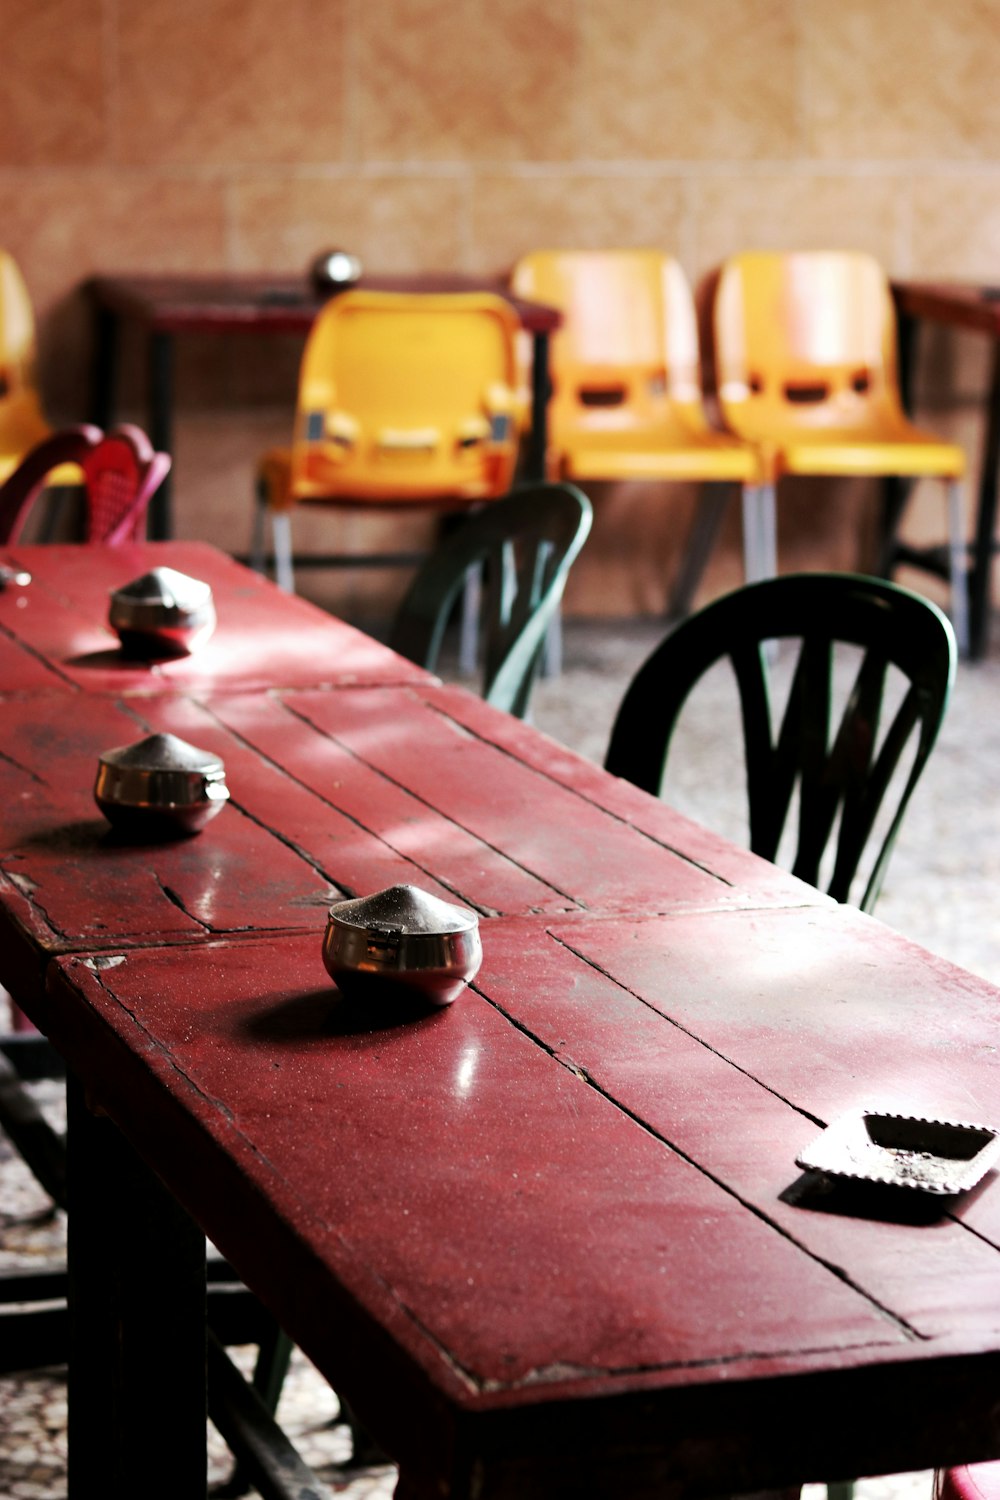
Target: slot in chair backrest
405, 397
842, 772
121, 473
525, 544
628, 348
803, 340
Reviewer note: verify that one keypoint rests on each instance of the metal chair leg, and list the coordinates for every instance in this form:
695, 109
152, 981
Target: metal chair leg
552, 656
257, 560
472, 596
712, 502
760, 537
281, 531
273, 1358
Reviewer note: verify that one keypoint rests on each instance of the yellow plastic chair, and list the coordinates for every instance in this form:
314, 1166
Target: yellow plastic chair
626, 391
404, 400
805, 356
22, 423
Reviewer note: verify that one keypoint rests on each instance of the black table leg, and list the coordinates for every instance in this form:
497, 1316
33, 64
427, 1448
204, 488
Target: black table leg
137, 1373
981, 573
896, 491
107, 342
161, 382
538, 437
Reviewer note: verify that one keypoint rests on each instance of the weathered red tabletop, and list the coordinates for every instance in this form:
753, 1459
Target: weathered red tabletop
551, 1240
333, 793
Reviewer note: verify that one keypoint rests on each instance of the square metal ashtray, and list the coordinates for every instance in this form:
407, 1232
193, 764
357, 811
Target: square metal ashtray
910, 1151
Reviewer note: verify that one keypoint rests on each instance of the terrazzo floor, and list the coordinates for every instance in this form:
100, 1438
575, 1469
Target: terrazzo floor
941, 890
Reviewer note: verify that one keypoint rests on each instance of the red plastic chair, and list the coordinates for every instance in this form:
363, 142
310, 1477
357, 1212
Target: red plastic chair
968, 1482
121, 472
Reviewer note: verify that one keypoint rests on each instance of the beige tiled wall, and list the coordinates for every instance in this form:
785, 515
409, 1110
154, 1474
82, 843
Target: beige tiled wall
198, 135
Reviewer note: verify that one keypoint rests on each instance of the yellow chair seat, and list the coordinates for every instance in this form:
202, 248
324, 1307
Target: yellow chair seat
917, 454
847, 437
678, 454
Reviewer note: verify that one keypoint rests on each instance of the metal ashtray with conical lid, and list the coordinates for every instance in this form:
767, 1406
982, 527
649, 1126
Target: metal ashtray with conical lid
160, 787
163, 613
405, 939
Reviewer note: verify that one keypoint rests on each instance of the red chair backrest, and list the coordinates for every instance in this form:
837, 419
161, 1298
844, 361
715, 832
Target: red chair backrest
121, 473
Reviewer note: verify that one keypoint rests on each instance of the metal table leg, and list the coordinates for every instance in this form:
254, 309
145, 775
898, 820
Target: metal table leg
137, 1372
981, 572
161, 382
107, 342
538, 438
895, 490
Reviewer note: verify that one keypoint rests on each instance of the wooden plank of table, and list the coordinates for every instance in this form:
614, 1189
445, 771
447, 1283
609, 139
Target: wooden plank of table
236, 303
310, 820
591, 838
67, 881
758, 879
359, 826
264, 639
778, 1023
530, 1247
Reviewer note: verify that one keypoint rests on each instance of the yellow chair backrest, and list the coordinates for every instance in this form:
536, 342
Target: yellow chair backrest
17, 328
407, 396
803, 340
628, 349
22, 424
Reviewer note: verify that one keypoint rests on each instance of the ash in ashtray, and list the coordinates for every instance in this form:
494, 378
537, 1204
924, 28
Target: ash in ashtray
919, 1166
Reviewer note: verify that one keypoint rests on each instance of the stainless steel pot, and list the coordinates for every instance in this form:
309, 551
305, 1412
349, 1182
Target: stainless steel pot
163, 613
405, 939
160, 787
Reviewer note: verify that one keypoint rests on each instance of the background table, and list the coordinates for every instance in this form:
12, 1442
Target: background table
167, 306
977, 310
551, 1240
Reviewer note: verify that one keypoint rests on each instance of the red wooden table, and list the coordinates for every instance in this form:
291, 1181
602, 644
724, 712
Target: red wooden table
552, 1239
975, 309
57, 632
225, 305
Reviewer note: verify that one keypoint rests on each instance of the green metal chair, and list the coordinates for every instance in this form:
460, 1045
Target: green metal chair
523, 546
842, 773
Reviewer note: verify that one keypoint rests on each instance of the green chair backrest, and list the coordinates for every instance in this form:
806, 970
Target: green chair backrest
525, 543
841, 772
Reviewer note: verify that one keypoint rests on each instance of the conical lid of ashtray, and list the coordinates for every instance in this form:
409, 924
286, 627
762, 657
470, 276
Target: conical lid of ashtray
162, 613
402, 938
161, 786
